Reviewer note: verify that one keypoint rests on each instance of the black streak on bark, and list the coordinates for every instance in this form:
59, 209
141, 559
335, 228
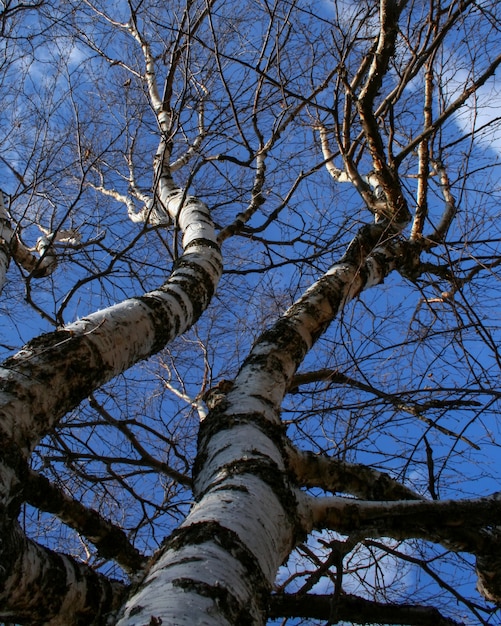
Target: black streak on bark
218, 421
59, 354
204, 532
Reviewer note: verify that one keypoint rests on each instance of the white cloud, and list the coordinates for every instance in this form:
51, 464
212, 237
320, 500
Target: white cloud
481, 113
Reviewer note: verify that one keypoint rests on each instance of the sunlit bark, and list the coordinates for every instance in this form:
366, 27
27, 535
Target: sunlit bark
278, 125
110, 341
73, 362
222, 561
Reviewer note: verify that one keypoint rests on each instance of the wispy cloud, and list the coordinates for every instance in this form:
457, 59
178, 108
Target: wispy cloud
480, 116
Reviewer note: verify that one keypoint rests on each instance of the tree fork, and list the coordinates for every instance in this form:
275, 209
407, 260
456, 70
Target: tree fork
242, 480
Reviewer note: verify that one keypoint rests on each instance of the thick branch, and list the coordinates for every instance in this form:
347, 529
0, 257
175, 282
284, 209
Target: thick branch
39, 586
76, 360
39, 265
462, 525
110, 541
45, 261
354, 610
318, 470
367, 186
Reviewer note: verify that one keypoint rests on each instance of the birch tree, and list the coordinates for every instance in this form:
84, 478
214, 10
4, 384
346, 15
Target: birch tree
249, 265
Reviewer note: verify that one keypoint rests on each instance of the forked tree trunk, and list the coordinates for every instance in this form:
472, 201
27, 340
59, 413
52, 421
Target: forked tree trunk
219, 566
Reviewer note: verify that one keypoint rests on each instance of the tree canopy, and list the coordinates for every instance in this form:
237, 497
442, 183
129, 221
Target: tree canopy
250, 312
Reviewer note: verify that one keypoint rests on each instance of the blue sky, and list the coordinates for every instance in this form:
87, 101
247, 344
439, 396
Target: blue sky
77, 119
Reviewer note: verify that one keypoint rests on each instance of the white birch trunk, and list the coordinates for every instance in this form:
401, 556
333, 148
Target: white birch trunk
84, 355
219, 566
50, 376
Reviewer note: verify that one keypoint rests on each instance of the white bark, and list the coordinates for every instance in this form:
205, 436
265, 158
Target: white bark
464, 524
335, 475
99, 346
45, 261
42, 587
52, 374
221, 564
238, 535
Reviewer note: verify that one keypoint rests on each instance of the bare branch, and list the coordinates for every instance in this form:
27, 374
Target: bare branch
355, 610
318, 470
110, 540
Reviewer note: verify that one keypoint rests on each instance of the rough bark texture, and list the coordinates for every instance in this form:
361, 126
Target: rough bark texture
488, 566
5, 239
72, 362
354, 610
41, 587
85, 354
317, 470
462, 524
220, 566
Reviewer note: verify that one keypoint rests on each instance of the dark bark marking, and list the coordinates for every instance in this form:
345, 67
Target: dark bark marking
285, 337
268, 472
268, 362
202, 243
226, 602
162, 319
199, 289
217, 421
42, 598
111, 541
204, 532
136, 610
65, 354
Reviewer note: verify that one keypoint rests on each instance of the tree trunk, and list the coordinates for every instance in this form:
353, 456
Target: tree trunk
71, 363
5, 239
219, 566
